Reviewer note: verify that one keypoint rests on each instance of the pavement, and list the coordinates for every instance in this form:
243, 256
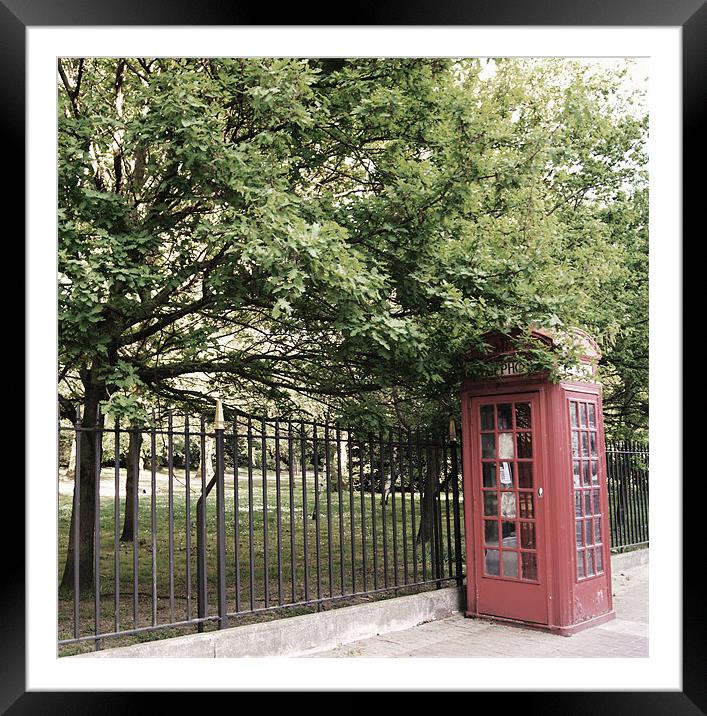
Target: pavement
458, 636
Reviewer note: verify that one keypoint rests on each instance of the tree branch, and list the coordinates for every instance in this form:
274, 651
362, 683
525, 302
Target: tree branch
164, 321
71, 92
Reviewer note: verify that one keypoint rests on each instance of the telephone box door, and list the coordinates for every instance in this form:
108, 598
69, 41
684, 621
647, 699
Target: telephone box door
508, 492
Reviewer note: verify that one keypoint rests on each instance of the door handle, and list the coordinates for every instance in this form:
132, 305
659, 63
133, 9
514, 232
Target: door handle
540, 491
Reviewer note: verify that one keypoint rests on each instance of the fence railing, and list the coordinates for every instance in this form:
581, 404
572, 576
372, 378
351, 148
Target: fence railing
179, 525
627, 474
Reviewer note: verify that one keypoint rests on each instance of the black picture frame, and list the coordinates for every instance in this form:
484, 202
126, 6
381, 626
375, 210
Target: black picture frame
17, 15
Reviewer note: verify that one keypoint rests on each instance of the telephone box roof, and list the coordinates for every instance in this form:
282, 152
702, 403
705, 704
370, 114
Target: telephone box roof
504, 345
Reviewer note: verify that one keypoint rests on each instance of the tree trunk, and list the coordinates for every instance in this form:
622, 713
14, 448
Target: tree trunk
344, 461
71, 469
132, 480
425, 531
429, 531
206, 460
88, 457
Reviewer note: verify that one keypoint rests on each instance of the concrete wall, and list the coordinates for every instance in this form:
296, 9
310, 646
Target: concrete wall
627, 560
303, 634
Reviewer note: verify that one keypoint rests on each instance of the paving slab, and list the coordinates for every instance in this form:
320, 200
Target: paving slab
459, 636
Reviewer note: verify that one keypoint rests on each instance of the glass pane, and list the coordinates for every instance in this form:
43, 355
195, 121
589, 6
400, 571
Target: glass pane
585, 473
587, 503
491, 532
592, 416
573, 413
595, 472
595, 500
487, 417
489, 473
505, 446
508, 504
590, 562
506, 475
585, 443
488, 446
529, 566
491, 505
527, 535
579, 533
523, 415
505, 416
525, 474
508, 534
578, 504
580, 565
597, 530
575, 444
575, 472
593, 444
600, 563
510, 564
588, 532
491, 563
525, 447
583, 415
526, 504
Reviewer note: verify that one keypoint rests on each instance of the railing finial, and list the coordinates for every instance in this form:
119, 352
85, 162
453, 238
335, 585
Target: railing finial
452, 430
219, 422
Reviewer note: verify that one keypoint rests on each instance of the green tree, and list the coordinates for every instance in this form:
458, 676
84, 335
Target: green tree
342, 230
625, 360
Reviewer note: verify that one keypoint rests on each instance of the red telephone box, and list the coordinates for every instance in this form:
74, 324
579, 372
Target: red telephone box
537, 532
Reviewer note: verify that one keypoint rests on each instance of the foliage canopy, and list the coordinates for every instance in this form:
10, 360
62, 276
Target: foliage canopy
343, 230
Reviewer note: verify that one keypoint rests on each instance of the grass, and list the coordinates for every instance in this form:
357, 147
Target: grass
172, 596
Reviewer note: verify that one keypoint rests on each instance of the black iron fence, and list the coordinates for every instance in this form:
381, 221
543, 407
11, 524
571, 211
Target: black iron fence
627, 473
180, 526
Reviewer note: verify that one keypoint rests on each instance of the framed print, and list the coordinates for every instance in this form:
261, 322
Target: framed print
34, 34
